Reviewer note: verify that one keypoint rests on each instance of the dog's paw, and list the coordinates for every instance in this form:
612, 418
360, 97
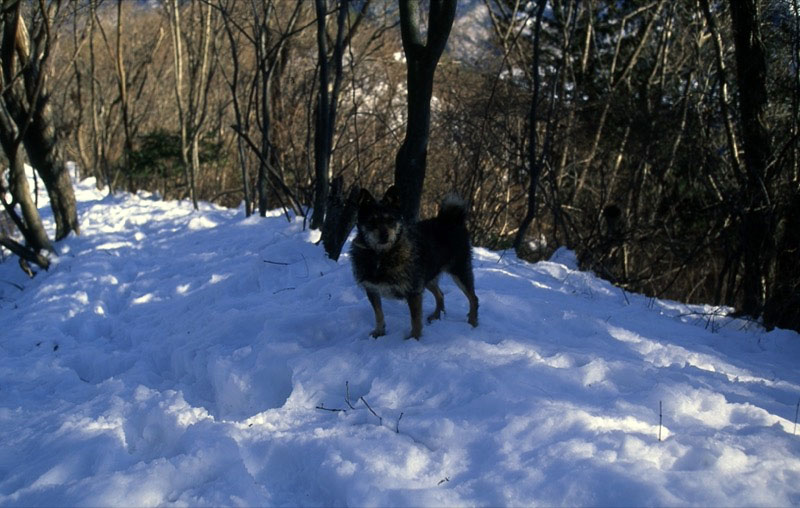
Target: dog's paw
433, 317
378, 332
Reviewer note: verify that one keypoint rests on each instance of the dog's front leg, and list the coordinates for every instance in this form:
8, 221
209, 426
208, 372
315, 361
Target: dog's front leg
380, 324
415, 307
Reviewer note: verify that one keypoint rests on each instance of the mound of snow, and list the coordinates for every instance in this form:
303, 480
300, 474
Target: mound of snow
200, 358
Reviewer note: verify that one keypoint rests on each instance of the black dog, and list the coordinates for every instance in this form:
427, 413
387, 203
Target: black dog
395, 259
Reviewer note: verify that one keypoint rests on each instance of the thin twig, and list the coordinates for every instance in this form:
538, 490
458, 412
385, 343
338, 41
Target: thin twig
276, 262
306, 263
13, 284
332, 410
371, 411
347, 394
659, 421
711, 318
397, 426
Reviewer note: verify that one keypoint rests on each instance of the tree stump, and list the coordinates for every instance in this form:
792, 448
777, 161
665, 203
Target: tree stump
340, 217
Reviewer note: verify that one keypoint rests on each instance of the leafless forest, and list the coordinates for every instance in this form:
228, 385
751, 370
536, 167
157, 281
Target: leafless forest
656, 138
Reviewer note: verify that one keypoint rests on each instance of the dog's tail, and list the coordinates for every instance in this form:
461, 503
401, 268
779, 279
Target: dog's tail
453, 209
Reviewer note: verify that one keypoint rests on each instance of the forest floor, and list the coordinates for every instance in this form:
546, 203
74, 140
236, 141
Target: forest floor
180, 357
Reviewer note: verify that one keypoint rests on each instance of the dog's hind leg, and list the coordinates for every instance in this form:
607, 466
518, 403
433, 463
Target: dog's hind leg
465, 281
433, 287
380, 324
415, 308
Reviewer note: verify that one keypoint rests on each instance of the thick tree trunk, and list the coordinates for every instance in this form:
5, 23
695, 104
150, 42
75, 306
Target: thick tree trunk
31, 227
340, 217
421, 61
326, 104
783, 307
30, 224
322, 128
27, 106
758, 225
42, 148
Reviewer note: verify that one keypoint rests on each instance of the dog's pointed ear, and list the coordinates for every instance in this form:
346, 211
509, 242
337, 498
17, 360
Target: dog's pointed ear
392, 198
365, 199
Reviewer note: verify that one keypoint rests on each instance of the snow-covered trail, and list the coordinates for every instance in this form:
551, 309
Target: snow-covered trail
180, 357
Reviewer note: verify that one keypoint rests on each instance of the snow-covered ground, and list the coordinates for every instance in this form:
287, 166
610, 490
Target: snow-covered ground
172, 357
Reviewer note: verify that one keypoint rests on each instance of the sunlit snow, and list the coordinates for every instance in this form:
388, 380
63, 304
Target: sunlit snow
174, 357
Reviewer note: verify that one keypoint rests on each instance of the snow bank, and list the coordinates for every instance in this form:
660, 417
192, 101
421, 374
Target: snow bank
173, 357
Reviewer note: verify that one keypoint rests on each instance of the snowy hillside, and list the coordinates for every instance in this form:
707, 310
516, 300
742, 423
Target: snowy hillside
172, 357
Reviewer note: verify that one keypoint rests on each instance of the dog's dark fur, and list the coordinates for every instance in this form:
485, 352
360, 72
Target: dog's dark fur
396, 259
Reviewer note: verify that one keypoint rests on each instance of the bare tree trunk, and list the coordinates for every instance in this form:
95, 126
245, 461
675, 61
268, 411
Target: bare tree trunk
191, 94
173, 10
44, 155
758, 225
84, 162
323, 127
122, 83
268, 56
28, 108
266, 67
724, 101
534, 162
233, 83
198, 103
340, 217
327, 102
97, 146
30, 224
421, 61
269, 46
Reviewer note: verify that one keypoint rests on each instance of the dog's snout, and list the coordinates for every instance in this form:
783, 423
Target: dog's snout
383, 234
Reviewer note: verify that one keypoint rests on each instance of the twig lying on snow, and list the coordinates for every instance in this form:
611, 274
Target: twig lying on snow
331, 409
283, 263
13, 284
362, 399
275, 262
712, 318
282, 290
305, 262
371, 411
796, 411
659, 421
347, 394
